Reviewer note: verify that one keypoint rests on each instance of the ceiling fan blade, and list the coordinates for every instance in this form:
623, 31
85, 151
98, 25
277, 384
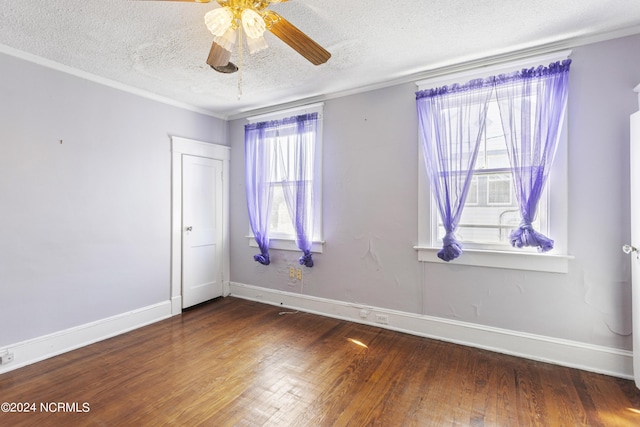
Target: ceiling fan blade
295, 38
218, 55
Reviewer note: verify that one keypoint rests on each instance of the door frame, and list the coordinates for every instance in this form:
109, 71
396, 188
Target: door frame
179, 147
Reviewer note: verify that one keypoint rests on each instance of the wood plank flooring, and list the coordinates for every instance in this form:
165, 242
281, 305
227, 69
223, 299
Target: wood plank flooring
233, 362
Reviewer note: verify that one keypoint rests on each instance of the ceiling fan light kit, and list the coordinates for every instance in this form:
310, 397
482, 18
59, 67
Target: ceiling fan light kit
257, 44
219, 20
227, 40
252, 23
240, 15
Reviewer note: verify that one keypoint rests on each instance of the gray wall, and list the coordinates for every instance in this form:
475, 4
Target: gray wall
86, 223
370, 216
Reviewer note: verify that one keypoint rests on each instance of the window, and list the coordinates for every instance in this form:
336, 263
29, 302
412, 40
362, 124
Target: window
491, 210
281, 150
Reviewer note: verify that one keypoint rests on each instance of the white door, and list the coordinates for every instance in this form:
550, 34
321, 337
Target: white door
634, 154
202, 209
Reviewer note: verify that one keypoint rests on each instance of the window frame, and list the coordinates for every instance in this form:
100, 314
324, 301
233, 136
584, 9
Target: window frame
288, 242
501, 256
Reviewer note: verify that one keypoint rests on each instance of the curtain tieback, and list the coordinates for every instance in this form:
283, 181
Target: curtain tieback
262, 258
525, 225
451, 248
449, 239
525, 235
306, 259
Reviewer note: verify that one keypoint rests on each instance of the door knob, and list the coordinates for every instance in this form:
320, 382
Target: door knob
190, 228
627, 249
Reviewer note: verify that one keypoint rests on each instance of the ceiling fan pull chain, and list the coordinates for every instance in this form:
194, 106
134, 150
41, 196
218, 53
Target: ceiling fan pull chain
240, 46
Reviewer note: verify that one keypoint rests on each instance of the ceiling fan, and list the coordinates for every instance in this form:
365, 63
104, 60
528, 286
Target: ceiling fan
252, 18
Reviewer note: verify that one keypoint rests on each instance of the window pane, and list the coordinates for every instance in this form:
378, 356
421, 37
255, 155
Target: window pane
280, 221
472, 196
499, 189
492, 153
484, 224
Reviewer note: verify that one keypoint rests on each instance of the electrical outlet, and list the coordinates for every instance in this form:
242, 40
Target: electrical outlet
299, 274
382, 319
6, 358
292, 272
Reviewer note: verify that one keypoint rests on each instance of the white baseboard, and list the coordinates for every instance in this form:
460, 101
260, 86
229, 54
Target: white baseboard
588, 357
176, 305
44, 347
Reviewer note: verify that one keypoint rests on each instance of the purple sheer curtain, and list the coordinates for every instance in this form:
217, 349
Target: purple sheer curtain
296, 146
532, 107
281, 152
258, 170
451, 122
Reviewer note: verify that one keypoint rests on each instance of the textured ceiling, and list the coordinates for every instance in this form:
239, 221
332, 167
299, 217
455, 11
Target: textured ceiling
160, 47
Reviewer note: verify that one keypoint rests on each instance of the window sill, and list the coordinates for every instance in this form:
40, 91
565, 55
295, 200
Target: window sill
501, 259
317, 247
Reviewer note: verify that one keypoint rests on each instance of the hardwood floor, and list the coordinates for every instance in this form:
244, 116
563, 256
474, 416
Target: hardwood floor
238, 363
